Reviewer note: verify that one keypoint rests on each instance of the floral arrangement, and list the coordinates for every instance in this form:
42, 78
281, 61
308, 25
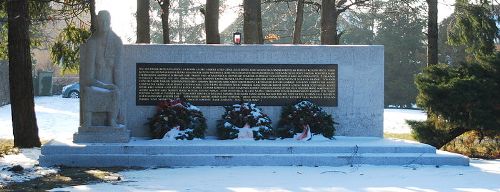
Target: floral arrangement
303, 120
244, 121
177, 119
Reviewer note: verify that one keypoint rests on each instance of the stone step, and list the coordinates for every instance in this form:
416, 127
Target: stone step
154, 153
233, 149
325, 159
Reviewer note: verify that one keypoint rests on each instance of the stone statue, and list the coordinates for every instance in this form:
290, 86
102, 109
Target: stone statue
101, 85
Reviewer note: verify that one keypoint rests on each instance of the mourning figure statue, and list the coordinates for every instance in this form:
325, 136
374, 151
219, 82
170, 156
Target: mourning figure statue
100, 77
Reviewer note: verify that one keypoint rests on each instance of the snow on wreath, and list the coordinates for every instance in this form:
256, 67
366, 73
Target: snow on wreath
244, 121
177, 119
303, 120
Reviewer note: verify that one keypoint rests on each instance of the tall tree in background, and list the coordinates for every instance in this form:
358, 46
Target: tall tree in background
252, 22
21, 83
164, 13
142, 18
183, 22
432, 32
212, 22
330, 12
93, 16
400, 31
299, 20
474, 27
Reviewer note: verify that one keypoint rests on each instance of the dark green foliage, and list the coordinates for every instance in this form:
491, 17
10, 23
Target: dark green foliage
458, 99
449, 54
178, 113
238, 115
434, 132
66, 50
466, 96
38, 10
473, 27
183, 26
293, 117
400, 31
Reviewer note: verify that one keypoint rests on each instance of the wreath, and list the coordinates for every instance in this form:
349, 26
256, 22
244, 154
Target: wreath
177, 119
244, 120
305, 116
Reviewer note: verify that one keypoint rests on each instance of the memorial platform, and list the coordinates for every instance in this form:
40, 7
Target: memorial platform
157, 153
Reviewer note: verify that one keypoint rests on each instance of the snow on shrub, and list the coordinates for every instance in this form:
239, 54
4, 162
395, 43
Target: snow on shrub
305, 114
177, 119
244, 120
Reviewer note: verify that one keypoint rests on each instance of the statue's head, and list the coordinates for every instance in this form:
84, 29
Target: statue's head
103, 21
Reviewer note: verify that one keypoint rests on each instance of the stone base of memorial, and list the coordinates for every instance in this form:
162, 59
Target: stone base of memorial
102, 134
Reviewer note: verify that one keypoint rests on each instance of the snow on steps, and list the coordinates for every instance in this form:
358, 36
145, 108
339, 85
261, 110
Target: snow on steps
338, 152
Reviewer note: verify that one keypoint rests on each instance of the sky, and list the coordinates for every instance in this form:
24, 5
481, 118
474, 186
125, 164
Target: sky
123, 20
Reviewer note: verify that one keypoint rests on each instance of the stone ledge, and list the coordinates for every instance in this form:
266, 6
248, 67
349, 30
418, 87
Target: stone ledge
155, 153
94, 135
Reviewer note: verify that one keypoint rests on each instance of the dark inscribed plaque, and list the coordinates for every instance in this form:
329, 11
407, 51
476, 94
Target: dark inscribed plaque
224, 84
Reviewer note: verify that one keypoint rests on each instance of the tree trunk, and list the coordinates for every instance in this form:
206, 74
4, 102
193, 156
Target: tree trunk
432, 33
212, 22
21, 82
299, 19
329, 17
142, 18
450, 136
252, 22
183, 8
165, 11
93, 16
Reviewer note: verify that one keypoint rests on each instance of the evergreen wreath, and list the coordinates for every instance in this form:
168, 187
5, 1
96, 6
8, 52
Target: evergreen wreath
294, 117
239, 115
178, 114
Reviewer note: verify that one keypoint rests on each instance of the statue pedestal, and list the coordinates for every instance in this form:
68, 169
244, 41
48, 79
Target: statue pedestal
102, 134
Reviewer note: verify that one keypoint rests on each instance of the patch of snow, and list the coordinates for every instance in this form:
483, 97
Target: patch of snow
395, 119
28, 159
245, 133
228, 125
56, 117
308, 179
256, 114
172, 134
193, 108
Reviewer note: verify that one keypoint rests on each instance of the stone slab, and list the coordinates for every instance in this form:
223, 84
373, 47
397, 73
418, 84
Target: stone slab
156, 153
101, 134
360, 79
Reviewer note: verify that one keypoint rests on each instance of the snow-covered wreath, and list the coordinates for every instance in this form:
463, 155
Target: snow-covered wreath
303, 120
244, 121
177, 119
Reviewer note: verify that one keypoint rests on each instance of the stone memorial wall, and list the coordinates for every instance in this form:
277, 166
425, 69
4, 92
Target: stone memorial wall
347, 81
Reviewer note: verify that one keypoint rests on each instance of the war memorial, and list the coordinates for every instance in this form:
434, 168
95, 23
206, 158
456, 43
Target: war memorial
123, 84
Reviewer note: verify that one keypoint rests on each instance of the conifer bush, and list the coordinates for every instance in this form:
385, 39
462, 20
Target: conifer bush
458, 99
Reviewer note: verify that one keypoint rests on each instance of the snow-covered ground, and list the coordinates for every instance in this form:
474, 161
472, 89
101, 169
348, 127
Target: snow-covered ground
58, 118
481, 176
28, 160
395, 119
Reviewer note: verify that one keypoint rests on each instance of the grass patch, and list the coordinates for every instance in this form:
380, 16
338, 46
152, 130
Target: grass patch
405, 136
67, 177
7, 147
